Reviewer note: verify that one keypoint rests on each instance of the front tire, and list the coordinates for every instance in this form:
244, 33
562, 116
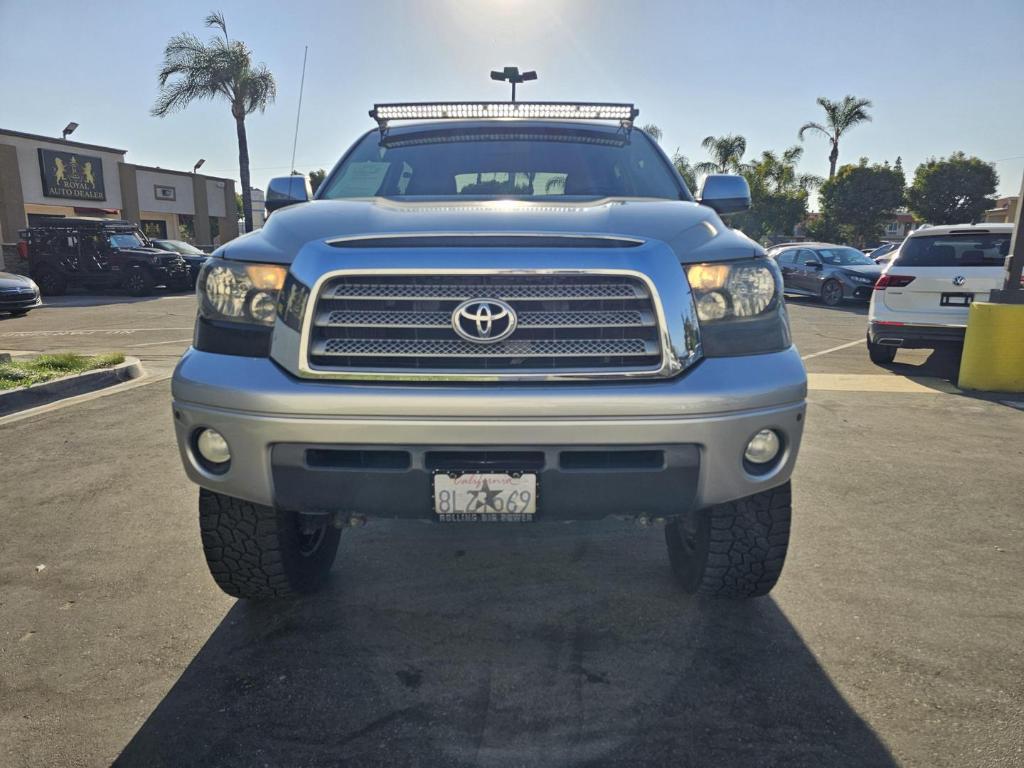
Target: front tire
733, 550
259, 552
881, 354
139, 282
832, 293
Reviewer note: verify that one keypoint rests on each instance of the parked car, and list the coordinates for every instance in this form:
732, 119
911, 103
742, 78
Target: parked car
922, 299
98, 253
18, 294
883, 254
194, 257
541, 289
829, 272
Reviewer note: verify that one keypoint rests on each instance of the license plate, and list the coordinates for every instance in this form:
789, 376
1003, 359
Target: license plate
956, 299
492, 497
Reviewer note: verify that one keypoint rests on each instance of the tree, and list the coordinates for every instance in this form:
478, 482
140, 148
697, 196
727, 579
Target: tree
840, 116
856, 202
957, 190
726, 153
652, 130
195, 71
686, 170
778, 194
316, 178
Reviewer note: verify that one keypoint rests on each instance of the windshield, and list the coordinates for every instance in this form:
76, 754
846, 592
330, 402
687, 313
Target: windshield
125, 240
843, 257
503, 162
967, 250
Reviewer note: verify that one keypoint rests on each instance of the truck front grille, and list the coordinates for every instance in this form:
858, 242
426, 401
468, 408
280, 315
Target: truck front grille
566, 323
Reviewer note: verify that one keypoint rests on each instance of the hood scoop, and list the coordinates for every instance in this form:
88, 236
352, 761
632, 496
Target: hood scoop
491, 240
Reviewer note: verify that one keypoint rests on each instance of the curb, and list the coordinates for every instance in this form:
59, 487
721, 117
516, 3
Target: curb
68, 386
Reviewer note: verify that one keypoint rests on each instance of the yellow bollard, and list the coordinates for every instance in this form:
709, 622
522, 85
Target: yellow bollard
993, 357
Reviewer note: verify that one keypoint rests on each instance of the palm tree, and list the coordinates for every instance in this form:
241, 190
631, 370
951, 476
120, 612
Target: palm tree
686, 170
840, 116
194, 71
652, 130
726, 153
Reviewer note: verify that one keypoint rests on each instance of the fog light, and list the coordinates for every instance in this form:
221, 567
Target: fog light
213, 447
763, 447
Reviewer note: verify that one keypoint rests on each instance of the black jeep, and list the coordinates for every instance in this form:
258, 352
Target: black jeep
99, 253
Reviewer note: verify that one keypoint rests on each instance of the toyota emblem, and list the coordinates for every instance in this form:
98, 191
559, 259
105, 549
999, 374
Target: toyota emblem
959, 280
484, 321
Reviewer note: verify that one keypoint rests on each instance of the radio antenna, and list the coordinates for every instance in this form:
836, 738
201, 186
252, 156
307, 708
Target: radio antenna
298, 113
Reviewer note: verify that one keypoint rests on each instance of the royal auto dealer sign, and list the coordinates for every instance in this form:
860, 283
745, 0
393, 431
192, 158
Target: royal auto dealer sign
71, 175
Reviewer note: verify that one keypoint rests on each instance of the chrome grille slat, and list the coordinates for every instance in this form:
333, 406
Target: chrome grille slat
527, 292
402, 319
511, 349
401, 324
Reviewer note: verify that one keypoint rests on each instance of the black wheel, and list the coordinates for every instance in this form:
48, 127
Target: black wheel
259, 552
50, 281
732, 550
831, 293
881, 354
138, 282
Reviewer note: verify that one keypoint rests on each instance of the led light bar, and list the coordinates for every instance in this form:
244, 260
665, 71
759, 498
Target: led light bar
463, 110
437, 137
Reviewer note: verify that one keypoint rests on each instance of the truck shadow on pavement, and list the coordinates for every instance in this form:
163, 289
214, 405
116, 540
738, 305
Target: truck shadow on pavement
112, 297
542, 645
848, 306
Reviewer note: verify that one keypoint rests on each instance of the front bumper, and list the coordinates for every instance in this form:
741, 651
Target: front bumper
856, 290
700, 422
14, 302
172, 274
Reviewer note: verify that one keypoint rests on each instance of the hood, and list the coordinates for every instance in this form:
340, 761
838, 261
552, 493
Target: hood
11, 280
695, 232
867, 270
149, 252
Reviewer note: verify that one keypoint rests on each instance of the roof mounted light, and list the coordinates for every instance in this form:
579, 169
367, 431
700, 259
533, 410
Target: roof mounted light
470, 110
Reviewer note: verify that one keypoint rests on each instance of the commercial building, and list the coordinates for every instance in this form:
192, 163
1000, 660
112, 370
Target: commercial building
1004, 211
43, 176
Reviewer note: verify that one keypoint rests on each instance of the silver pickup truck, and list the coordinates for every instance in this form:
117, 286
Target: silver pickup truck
493, 313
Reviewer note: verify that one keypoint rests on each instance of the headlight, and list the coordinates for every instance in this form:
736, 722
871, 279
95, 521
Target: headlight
739, 306
731, 290
237, 292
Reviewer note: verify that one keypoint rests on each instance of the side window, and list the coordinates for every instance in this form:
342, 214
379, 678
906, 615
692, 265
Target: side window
806, 255
787, 257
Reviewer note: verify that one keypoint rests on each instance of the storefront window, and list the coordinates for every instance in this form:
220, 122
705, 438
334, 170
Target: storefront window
214, 230
186, 227
154, 229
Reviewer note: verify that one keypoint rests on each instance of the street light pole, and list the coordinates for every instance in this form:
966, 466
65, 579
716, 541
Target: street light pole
513, 76
1012, 293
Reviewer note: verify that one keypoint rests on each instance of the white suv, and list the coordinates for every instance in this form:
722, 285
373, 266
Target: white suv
922, 298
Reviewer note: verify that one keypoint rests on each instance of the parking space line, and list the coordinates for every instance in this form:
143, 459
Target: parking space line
88, 332
833, 349
157, 343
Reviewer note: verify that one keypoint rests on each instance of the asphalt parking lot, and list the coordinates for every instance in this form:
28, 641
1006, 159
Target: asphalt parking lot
893, 637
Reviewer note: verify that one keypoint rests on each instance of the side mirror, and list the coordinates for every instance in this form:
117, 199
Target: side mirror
725, 193
287, 190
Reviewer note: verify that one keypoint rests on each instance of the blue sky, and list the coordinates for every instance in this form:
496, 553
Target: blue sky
943, 76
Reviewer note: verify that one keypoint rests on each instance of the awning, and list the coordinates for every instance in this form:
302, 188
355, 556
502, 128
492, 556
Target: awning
97, 211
